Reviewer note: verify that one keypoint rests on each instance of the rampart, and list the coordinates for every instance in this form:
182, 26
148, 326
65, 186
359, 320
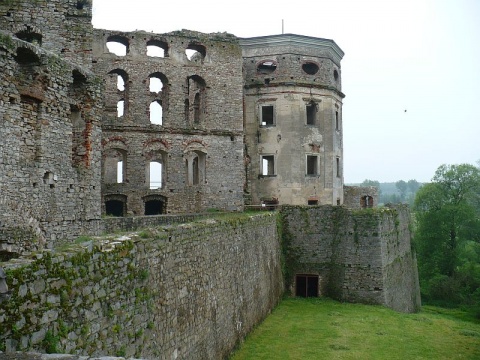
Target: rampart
360, 256
190, 291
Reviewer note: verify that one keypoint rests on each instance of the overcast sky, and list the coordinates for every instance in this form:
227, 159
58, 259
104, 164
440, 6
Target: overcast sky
422, 56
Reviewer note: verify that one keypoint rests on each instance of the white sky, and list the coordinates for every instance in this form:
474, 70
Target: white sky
422, 56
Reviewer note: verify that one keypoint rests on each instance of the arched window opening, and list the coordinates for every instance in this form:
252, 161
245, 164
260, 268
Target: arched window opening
366, 202
154, 207
30, 36
196, 99
120, 108
114, 166
120, 83
195, 53
155, 175
156, 84
157, 48
156, 113
114, 208
266, 67
26, 56
117, 45
196, 164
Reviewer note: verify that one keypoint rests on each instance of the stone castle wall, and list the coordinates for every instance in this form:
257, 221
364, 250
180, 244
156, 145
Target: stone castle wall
50, 148
359, 256
190, 291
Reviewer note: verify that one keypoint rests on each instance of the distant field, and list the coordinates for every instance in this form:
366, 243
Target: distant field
325, 329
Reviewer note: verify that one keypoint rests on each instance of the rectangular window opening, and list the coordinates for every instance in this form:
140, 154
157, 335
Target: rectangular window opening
306, 285
337, 125
268, 165
312, 202
338, 167
312, 165
267, 115
311, 114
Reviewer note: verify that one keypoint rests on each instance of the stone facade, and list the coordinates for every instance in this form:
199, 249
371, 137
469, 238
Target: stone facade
360, 197
356, 256
293, 120
196, 134
190, 291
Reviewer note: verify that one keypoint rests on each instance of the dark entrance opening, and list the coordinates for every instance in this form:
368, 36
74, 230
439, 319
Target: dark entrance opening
154, 207
306, 286
114, 207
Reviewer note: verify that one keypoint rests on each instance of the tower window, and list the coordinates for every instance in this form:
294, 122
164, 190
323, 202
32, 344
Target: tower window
268, 165
311, 113
267, 115
312, 165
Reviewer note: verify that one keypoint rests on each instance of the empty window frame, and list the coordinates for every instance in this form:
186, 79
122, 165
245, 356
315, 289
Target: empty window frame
266, 67
117, 45
156, 112
267, 115
30, 36
114, 208
195, 53
195, 102
312, 202
366, 202
267, 164
155, 84
155, 175
306, 285
311, 110
114, 166
120, 108
154, 207
312, 165
196, 168
337, 121
338, 168
157, 48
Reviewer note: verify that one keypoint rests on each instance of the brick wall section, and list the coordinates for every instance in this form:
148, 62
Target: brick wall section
360, 256
190, 291
50, 148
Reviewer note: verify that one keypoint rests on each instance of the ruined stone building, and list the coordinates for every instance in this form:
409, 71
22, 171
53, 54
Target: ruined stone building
105, 122
99, 128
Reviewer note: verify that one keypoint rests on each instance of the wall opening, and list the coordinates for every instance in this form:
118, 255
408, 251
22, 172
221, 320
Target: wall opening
337, 124
114, 208
154, 207
196, 96
335, 75
267, 115
120, 108
311, 110
196, 168
195, 52
30, 36
157, 48
120, 83
118, 45
312, 165
339, 173
266, 67
155, 175
156, 113
310, 68
306, 285
312, 202
114, 166
26, 56
196, 108
366, 202
155, 85
268, 165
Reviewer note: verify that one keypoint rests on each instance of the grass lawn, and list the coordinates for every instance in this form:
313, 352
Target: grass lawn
325, 329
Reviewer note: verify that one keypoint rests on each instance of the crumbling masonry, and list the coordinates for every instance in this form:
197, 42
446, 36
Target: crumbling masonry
101, 130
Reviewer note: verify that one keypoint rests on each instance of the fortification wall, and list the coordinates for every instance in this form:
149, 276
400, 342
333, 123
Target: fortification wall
50, 148
189, 292
360, 256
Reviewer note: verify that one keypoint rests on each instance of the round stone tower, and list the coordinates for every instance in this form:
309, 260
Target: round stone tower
293, 120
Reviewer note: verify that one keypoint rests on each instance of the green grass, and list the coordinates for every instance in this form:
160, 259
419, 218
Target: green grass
326, 329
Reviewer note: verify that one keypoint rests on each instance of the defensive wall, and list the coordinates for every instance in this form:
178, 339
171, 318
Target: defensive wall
194, 290
360, 256
189, 291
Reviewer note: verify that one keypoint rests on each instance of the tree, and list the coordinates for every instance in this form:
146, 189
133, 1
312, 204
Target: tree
402, 188
447, 220
413, 186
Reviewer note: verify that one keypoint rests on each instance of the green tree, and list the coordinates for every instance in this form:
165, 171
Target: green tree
447, 225
402, 188
413, 186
